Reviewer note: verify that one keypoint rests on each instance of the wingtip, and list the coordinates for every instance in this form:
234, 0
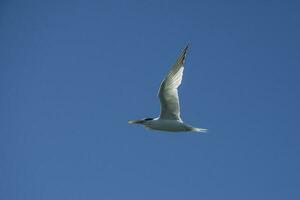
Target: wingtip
182, 56
187, 46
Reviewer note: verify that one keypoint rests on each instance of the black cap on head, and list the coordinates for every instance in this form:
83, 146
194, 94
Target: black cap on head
147, 119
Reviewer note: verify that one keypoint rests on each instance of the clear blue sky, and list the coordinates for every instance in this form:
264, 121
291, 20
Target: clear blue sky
72, 73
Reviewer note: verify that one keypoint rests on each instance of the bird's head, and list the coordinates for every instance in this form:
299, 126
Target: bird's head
140, 121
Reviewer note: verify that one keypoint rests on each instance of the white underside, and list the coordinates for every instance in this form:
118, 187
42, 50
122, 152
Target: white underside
170, 125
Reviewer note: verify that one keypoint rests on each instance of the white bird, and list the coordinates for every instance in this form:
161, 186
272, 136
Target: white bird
169, 118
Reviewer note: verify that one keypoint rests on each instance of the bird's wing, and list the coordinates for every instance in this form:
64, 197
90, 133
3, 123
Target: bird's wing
168, 93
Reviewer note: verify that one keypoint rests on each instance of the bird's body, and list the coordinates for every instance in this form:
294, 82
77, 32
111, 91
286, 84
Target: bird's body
169, 125
169, 119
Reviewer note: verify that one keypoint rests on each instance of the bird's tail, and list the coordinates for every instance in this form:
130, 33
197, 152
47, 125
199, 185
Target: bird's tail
200, 130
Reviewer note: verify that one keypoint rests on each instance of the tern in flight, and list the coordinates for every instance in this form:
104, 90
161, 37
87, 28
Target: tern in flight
169, 118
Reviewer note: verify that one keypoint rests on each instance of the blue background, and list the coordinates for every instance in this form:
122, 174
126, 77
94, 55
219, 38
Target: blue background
72, 73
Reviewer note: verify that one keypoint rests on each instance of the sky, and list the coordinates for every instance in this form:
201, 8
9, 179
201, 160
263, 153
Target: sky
72, 73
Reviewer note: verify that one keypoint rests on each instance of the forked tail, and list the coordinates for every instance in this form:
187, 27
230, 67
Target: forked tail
200, 130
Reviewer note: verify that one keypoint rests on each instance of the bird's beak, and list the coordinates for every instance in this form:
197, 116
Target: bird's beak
135, 121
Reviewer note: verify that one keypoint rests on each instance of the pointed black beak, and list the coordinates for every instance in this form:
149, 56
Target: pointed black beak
135, 121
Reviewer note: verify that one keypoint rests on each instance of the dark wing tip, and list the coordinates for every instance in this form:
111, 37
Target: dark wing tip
182, 56
186, 47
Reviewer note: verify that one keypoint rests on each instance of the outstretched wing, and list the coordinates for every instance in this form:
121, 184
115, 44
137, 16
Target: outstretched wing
168, 92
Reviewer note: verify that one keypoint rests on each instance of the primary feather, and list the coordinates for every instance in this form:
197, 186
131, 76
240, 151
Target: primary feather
168, 91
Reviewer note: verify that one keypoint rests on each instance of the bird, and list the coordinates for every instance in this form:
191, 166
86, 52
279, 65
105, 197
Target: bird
169, 118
